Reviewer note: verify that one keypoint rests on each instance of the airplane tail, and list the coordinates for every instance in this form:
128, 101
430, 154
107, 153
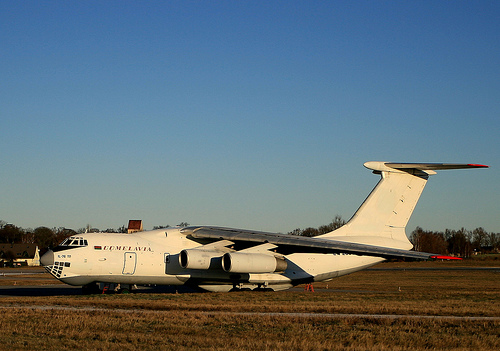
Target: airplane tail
383, 216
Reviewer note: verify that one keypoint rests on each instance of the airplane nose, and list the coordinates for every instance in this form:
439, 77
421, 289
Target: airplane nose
47, 259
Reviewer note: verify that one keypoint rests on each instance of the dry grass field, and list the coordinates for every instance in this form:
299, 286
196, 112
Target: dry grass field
223, 321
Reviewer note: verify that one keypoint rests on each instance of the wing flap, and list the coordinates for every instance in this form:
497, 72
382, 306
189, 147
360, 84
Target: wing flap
259, 248
218, 245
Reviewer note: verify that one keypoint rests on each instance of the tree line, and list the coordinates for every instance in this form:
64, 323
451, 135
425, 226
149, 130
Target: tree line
44, 237
462, 242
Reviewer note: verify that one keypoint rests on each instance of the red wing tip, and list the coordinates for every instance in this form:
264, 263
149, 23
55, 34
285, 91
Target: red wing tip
476, 165
439, 257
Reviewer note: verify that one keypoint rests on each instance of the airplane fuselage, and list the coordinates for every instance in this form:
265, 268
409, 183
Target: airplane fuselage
153, 257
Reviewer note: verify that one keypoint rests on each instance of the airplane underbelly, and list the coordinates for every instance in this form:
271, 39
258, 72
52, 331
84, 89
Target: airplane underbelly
326, 266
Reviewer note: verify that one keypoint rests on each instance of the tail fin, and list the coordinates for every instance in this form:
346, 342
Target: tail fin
383, 216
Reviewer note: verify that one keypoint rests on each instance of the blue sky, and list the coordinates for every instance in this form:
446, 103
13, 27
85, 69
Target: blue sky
255, 115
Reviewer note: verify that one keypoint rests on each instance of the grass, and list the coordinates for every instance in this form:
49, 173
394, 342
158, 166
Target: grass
175, 330
205, 320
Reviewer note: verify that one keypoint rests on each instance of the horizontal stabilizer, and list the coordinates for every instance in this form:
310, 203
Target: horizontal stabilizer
391, 166
433, 166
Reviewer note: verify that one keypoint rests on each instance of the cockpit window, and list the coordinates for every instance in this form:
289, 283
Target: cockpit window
74, 242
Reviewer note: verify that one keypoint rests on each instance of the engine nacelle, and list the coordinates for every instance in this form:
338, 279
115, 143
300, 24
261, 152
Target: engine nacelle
199, 258
240, 262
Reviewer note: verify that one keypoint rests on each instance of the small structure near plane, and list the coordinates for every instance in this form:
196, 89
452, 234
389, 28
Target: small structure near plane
19, 255
224, 259
134, 226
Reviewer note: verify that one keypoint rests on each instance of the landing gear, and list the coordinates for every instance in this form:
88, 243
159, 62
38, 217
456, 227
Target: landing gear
250, 287
263, 287
239, 289
91, 289
106, 288
124, 289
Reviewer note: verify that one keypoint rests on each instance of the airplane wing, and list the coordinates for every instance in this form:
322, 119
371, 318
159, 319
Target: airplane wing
286, 243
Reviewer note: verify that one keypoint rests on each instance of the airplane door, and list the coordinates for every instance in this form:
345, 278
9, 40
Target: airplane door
130, 263
167, 261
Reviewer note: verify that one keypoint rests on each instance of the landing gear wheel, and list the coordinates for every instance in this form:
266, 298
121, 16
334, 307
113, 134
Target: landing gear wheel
91, 289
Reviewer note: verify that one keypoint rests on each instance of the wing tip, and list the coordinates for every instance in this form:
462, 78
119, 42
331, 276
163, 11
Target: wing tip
441, 257
475, 165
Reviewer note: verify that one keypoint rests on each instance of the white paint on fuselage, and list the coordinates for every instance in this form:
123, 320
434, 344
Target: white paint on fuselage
152, 258
105, 258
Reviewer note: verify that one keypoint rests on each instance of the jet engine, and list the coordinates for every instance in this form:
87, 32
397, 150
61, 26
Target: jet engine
199, 258
239, 262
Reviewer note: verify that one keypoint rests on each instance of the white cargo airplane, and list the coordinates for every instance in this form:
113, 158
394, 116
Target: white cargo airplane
224, 259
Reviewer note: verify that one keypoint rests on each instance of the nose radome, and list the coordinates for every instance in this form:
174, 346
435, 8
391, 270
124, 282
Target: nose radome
47, 259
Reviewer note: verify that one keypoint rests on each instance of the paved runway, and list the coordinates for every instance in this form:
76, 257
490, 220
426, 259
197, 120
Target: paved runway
68, 290
40, 290
63, 289
433, 269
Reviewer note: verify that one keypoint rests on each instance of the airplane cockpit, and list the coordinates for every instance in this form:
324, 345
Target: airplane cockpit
54, 267
71, 243
74, 241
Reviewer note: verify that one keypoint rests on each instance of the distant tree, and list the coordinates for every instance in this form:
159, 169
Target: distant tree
28, 236
479, 239
9, 233
9, 256
62, 233
493, 241
428, 241
336, 223
459, 242
297, 231
45, 238
183, 224
310, 232
121, 229
163, 226
87, 229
